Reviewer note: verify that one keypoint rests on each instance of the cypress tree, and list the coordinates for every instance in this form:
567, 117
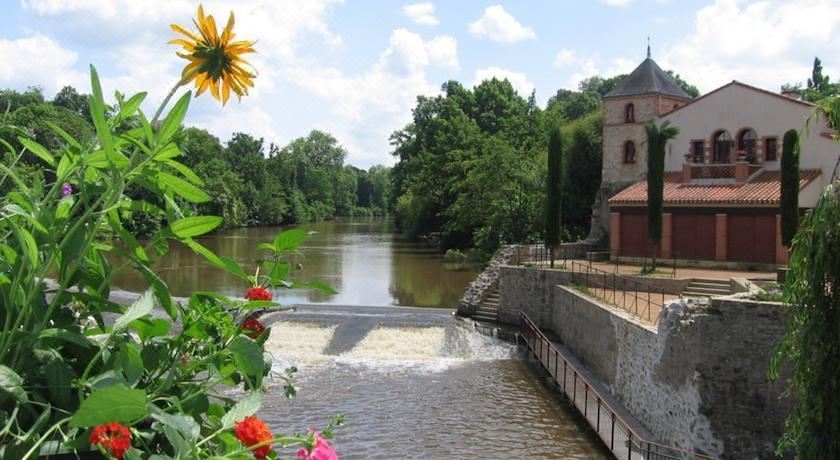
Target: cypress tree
554, 188
790, 186
657, 137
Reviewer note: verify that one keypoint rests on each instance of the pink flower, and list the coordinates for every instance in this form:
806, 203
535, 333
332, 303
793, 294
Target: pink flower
66, 189
322, 450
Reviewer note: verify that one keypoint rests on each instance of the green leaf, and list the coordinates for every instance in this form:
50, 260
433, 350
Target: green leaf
248, 405
148, 328
170, 150
290, 239
185, 425
65, 165
115, 403
173, 119
195, 226
224, 263
130, 106
183, 188
29, 246
185, 171
38, 150
277, 271
64, 335
132, 363
15, 210
248, 356
67, 138
140, 308
12, 384
161, 290
97, 114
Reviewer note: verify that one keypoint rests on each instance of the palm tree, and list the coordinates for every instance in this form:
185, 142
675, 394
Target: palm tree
657, 138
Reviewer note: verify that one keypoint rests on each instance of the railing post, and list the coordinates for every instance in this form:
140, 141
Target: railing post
565, 364
612, 431
574, 387
598, 415
585, 398
555, 366
629, 444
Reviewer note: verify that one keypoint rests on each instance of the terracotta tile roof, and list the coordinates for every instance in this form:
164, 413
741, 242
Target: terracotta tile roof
763, 190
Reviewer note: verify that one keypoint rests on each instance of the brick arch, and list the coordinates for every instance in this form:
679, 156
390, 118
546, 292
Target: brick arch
629, 151
749, 146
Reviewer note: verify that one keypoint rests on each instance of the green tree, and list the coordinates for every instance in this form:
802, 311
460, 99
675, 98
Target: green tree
582, 170
71, 100
11, 100
687, 87
790, 186
554, 187
657, 138
812, 305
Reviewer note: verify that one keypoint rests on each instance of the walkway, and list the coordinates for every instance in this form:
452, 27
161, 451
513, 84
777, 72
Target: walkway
621, 433
684, 272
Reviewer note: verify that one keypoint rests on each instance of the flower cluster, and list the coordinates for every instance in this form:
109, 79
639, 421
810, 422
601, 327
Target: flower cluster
258, 293
114, 438
254, 327
252, 431
321, 450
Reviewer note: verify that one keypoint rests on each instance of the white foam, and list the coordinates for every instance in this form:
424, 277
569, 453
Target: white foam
298, 344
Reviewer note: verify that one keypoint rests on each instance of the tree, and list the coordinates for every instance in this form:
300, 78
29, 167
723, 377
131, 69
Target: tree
554, 187
687, 87
812, 304
70, 99
790, 186
582, 170
817, 87
657, 138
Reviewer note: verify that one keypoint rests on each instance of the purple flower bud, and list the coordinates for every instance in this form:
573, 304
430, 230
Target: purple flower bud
66, 189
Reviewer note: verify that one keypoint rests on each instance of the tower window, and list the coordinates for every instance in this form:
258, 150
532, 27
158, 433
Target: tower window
629, 152
630, 113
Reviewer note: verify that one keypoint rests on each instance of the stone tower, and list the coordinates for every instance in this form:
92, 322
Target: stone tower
643, 96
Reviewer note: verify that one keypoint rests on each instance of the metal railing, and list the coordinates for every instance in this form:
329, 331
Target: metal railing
647, 260
539, 255
640, 299
617, 434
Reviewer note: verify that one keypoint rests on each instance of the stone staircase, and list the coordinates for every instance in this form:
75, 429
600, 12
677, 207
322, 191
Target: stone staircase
707, 288
488, 309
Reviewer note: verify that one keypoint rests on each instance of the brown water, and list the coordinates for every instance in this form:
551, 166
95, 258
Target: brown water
435, 392
412, 383
363, 259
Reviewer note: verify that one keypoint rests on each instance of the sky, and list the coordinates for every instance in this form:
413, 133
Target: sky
354, 68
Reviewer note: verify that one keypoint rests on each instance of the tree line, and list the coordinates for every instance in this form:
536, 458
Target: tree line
251, 183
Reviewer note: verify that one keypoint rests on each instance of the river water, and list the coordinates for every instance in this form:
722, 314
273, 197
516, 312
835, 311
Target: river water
411, 382
363, 259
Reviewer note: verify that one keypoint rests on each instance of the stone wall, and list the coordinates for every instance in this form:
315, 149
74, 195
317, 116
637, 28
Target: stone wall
697, 382
485, 281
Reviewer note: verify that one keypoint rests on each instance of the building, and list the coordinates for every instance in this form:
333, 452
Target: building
722, 181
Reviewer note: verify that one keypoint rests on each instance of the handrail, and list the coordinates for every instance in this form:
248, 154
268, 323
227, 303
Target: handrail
634, 438
641, 305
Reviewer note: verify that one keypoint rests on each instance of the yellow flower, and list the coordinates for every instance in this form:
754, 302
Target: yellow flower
216, 61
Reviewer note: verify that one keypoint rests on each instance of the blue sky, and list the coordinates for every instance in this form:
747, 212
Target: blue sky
354, 68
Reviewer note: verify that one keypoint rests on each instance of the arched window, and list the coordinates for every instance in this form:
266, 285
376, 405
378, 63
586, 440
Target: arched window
629, 152
747, 144
630, 113
722, 144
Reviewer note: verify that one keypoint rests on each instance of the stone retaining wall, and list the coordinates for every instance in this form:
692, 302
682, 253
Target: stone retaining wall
478, 290
698, 381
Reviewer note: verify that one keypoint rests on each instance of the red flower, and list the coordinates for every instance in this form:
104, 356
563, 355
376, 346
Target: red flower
258, 293
114, 437
254, 327
253, 431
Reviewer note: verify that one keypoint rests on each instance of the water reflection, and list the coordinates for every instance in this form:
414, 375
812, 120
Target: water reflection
363, 259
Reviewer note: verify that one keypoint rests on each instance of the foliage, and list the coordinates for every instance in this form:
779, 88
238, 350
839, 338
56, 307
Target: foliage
71, 360
790, 186
304, 181
582, 140
554, 188
812, 304
687, 87
657, 137
817, 87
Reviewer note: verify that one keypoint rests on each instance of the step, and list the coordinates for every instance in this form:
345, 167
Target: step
486, 309
494, 303
702, 287
486, 318
705, 292
710, 281
722, 284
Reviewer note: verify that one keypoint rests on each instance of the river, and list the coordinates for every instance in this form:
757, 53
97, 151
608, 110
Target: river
411, 382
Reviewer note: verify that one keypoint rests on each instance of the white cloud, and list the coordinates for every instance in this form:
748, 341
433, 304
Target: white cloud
620, 3
421, 13
498, 25
365, 109
39, 61
518, 80
765, 43
581, 67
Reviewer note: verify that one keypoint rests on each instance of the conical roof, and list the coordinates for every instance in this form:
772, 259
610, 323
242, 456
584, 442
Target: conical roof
648, 78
